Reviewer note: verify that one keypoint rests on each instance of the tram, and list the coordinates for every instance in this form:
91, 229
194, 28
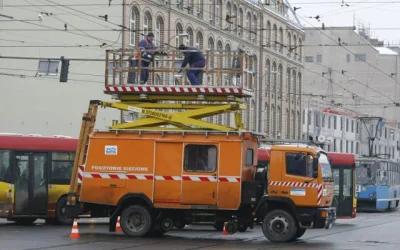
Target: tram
378, 184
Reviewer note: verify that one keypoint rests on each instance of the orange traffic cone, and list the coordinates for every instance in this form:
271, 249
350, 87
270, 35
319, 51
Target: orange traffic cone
118, 227
225, 232
75, 232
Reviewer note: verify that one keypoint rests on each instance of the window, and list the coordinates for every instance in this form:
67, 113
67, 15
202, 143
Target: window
319, 58
334, 145
309, 59
200, 158
348, 58
335, 122
48, 67
61, 167
249, 157
5, 167
132, 27
352, 126
360, 57
296, 165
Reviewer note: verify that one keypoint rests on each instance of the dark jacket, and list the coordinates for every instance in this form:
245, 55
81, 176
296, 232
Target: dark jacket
192, 57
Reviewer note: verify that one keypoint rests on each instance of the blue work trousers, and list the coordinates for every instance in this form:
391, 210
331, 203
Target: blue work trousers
193, 74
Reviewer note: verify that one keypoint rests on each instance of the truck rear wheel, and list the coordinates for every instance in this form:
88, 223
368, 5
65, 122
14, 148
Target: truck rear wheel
136, 221
279, 226
60, 212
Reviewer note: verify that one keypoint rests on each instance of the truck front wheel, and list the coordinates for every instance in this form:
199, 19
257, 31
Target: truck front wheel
136, 221
279, 226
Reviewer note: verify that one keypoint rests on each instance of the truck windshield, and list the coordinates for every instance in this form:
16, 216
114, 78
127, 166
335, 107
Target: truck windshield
325, 168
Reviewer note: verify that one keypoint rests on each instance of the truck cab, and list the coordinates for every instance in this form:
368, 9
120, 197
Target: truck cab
298, 186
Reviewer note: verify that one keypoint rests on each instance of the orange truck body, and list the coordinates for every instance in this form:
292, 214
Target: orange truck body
163, 169
177, 178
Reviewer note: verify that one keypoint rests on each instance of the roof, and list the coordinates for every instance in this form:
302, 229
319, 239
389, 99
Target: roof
23, 142
385, 51
342, 158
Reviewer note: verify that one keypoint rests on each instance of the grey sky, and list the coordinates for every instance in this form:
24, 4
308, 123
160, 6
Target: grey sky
379, 14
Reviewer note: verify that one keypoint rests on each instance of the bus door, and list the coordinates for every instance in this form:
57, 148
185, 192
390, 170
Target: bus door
30, 186
343, 190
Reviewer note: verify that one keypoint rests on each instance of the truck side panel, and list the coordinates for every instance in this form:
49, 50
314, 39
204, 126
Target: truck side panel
115, 167
275, 173
229, 185
168, 170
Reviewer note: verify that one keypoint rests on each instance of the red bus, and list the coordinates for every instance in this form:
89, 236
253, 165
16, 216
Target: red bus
35, 173
344, 192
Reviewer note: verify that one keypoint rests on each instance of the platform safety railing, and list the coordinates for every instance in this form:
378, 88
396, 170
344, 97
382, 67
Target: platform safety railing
125, 66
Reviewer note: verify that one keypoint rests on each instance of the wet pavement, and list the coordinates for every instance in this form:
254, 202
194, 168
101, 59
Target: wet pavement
367, 231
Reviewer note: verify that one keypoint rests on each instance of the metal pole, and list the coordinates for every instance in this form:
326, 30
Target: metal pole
308, 120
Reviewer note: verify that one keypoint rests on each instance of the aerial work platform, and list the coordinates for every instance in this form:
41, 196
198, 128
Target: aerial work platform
162, 106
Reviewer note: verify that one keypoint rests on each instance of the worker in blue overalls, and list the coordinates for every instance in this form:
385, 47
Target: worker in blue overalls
195, 59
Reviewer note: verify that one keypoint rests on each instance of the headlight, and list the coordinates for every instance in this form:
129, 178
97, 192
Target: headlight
371, 195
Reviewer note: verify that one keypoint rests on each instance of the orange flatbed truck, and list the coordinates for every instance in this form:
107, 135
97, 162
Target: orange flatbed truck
176, 168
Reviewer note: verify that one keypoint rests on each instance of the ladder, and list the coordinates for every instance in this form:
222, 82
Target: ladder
87, 126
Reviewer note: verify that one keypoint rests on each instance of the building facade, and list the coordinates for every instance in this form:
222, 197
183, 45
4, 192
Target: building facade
34, 37
267, 34
351, 76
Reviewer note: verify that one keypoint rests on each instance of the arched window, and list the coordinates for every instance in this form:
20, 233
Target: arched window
300, 50
293, 88
178, 30
298, 125
290, 45
218, 13
294, 121
220, 62
299, 89
240, 22
159, 32
254, 30
288, 84
273, 113
280, 82
235, 20
281, 40
248, 26
295, 49
254, 116
229, 13
133, 25
274, 73
199, 40
267, 78
157, 80
275, 36
190, 38
279, 118
269, 31
288, 122
147, 23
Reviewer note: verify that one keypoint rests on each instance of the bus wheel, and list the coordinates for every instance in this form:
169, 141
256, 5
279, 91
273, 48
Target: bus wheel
279, 226
60, 212
25, 221
136, 221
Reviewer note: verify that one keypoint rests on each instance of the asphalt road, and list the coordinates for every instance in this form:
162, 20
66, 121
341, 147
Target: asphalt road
367, 231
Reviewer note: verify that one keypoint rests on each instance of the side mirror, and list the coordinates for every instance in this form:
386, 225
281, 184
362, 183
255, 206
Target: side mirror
315, 167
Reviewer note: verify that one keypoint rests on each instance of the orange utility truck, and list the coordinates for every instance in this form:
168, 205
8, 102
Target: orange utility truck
155, 176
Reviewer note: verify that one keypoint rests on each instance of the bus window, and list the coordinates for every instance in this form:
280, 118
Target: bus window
5, 167
61, 168
347, 183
